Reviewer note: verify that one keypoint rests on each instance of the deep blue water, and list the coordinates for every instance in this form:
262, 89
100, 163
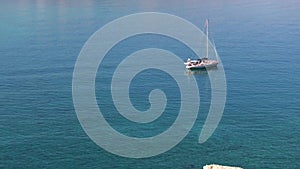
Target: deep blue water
258, 42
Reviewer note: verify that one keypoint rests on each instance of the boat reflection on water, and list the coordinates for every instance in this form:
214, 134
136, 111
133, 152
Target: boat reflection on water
191, 72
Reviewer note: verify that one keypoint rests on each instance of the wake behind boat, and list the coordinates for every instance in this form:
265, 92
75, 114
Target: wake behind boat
203, 63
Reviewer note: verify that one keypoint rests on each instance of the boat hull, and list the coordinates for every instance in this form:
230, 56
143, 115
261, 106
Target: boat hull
202, 66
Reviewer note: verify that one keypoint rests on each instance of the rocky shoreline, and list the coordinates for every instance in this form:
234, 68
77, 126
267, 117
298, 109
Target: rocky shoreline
215, 166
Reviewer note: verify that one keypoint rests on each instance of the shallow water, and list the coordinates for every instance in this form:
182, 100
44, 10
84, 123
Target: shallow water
256, 40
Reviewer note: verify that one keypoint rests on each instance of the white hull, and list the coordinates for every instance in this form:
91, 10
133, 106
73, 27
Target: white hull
201, 65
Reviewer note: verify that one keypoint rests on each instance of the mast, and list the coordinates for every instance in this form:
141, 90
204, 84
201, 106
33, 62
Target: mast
206, 23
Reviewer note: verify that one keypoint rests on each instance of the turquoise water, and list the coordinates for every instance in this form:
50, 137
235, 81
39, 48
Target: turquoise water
258, 42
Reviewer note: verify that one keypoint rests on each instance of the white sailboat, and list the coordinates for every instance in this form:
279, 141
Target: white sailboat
205, 62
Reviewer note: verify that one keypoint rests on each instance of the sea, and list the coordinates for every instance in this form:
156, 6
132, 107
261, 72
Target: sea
257, 41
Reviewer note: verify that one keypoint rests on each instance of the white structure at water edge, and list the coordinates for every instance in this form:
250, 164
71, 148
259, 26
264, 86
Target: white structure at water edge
215, 166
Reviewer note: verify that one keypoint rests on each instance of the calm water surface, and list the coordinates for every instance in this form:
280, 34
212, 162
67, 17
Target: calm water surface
258, 42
